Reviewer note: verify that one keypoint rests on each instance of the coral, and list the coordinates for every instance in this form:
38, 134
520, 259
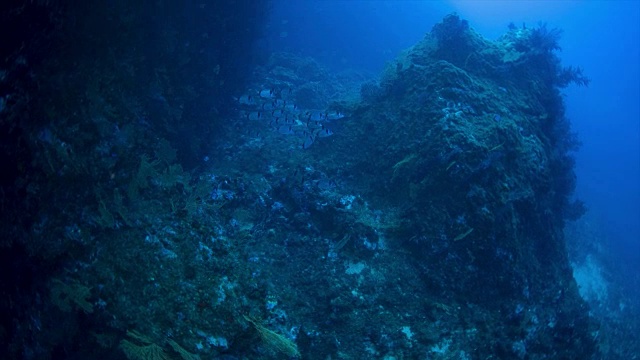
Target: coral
274, 340
66, 296
406, 162
165, 152
143, 352
575, 75
545, 40
140, 347
105, 218
184, 354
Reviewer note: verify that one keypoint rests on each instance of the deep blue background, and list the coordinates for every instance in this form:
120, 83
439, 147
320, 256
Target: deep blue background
601, 36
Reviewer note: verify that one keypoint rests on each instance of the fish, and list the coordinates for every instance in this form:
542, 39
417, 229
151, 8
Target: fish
268, 106
281, 121
334, 115
292, 109
267, 93
286, 130
246, 100
276, 121
253, 133
324, 132
289, 120
314, 116
255, 115
286, 93
308, 141
314, 125
283, 116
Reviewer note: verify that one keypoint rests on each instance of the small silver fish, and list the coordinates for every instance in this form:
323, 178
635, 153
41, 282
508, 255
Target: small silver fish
253, 133
279, 103
283, 120
286, 130
276, 113
308, 141
324, 132
267, 93
314, 116
255, 115
334, 115
286, 93
314, 125
268, 106
292, 109
277, 121
246, 100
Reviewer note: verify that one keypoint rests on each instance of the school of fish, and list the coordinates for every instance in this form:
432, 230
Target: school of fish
275, 109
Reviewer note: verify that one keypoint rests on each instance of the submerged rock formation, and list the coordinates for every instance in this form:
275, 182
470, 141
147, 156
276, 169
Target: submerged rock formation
467, 138
429, 226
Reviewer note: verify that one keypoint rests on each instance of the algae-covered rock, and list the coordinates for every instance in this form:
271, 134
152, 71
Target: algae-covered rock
470, 140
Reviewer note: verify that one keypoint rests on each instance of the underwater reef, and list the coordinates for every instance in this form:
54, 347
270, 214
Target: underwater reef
147, 215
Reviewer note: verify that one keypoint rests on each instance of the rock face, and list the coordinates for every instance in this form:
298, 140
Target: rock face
467, 137
428, 227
